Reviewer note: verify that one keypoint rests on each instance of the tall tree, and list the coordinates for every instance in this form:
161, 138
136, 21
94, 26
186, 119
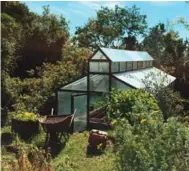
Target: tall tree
165, 46
43, 36
43, 42
10, 38
118, 27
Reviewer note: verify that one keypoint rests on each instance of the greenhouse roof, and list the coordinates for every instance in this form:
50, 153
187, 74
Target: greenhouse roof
136, 78
119, 55
97, 84
133, 78
80, 84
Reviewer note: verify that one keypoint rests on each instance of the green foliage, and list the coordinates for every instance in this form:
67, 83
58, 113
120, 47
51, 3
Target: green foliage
144, 140
42, 38
100, 101
183, 21
25, 116
39, 139
35, 91
29, 40
6, 129
112, 28
168, 101
122, 104
76, 55
153, 146
17, 10
48, 33
169, 50
10, 36
28, 158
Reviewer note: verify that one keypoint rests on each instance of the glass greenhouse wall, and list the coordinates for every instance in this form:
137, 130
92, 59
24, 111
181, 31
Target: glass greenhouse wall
64, 102
107, 69
99, 83
68, 102
80, 119
119, 85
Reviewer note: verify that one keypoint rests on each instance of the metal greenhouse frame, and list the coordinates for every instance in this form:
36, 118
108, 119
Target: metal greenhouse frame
107, 69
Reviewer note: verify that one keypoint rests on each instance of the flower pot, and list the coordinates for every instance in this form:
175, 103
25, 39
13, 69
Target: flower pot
25, 129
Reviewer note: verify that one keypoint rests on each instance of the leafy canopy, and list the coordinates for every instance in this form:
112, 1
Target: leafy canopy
112, 28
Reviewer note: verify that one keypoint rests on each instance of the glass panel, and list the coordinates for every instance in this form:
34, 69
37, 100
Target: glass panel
147, 63
97, 100
99, 55
151, 63
115, 66
80, 119
93, 66
122, 66
99, 83
140, 64
129, 66
134, 65
99, 67
144, 64
103, 67
64, 103
119, 85
80, 84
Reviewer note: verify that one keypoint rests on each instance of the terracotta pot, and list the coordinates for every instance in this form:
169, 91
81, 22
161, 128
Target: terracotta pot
25, 128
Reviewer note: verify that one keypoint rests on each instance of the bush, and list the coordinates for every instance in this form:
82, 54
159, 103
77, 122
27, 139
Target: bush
153, 146
123, 104
144, 140
25, 116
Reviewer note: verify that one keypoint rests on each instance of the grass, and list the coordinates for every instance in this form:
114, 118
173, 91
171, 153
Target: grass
74, 156
71, 157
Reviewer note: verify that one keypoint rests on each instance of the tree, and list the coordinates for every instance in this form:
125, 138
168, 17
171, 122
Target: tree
118, 27
42, 39
9, 46
183, 64
76, 55
17, 10
166, 47
10, 37
43, 42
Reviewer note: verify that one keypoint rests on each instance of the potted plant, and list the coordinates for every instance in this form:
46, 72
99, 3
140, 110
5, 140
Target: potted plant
25, 124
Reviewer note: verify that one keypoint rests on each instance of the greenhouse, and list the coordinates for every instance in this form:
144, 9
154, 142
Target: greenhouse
107, 69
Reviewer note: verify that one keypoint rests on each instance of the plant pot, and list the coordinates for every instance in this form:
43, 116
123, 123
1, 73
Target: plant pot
25, 129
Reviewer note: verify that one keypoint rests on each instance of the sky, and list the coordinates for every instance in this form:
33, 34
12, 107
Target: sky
78, 12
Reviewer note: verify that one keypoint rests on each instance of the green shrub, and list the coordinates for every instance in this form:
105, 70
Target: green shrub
39, 139
153, 146
25, 116
144, 140
123, 104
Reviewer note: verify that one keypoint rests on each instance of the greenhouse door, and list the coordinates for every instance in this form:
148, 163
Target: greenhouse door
79, 102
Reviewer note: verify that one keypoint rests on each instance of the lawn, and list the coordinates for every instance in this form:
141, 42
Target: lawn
74, 156
71, 156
